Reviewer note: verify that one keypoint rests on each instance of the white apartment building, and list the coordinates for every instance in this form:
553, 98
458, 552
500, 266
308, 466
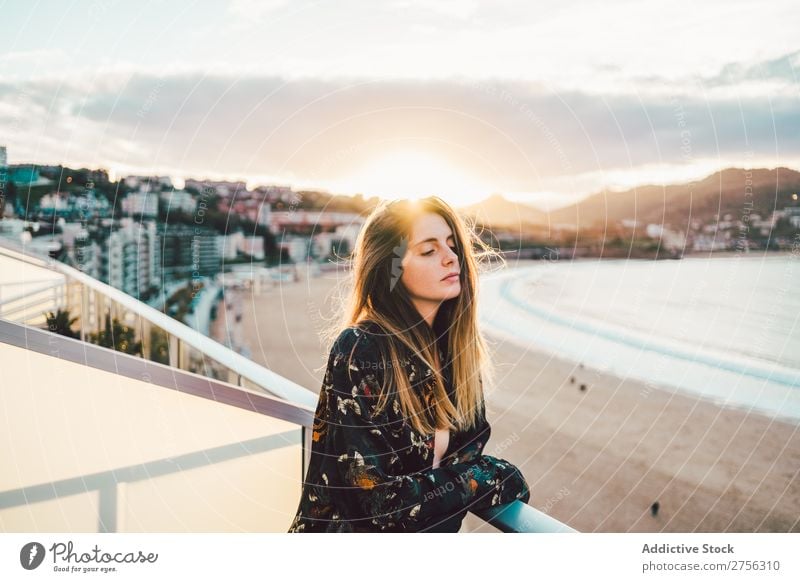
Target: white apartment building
140, 204
179, 201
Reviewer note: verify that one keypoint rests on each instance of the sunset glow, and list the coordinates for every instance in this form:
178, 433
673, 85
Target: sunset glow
414, 174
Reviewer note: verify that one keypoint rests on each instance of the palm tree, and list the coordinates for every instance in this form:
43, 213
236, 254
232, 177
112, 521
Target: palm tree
61, 323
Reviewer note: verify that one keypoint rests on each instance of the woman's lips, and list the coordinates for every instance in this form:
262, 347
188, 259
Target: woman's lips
450, 279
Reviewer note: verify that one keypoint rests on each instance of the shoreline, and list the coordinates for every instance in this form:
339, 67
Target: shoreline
763, 380
653, 384
512, 263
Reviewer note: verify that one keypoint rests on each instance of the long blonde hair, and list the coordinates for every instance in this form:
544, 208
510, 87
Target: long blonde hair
378, 295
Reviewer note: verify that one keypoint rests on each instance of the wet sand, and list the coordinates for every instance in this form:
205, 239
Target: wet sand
596, 458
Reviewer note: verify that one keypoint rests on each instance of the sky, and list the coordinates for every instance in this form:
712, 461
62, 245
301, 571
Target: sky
542, 102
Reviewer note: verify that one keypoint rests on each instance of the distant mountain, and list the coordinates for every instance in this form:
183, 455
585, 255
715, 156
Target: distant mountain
721, 193
498, 211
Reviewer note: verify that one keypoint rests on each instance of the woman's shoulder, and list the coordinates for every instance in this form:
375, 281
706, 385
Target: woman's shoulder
363, 341
364, 338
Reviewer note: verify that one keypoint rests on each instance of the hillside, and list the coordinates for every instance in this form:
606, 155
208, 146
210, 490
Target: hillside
721, 193
498, 211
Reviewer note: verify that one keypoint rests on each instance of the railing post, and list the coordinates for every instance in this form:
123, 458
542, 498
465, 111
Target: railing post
61, 296
84, 313
183, 356
147, 344
303, 455
108, 509
99, 311
69, 290
174, 349
178, 353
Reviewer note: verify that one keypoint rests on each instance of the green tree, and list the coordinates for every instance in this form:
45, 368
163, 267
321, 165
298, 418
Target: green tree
159, 346
117, 336
61, 323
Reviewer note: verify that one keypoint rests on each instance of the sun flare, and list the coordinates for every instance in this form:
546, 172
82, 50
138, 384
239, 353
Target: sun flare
415, 175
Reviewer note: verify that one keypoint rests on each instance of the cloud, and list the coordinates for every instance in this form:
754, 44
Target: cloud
516, 135
785, 68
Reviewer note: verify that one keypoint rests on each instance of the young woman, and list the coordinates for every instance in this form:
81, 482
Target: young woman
400, 427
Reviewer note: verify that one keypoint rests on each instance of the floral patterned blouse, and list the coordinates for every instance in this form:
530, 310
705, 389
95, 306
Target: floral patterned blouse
373, 472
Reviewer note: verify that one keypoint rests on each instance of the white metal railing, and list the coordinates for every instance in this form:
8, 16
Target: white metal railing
91, 300
14, 304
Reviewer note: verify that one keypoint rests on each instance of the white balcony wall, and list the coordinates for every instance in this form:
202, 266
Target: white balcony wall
87, 450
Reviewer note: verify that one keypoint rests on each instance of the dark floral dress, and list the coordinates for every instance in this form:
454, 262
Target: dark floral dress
373, 472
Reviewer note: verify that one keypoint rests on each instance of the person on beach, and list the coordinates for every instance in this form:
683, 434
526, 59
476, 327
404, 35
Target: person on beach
400, 429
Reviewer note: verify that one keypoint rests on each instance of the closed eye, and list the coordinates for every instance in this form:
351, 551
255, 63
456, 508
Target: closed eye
430, 252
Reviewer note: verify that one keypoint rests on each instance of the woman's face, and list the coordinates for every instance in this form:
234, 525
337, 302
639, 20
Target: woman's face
428, 261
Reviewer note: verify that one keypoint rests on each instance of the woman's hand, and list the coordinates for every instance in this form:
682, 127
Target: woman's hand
468, 454
505, 484
512, 482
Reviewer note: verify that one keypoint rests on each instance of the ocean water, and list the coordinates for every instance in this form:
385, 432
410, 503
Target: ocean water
726, 329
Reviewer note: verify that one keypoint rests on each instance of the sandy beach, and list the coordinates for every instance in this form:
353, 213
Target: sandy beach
597, 458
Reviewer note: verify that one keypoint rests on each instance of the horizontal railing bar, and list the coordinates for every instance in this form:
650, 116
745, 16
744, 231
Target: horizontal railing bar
519, 517
28, 282
27, 294
30, 306
146, 471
